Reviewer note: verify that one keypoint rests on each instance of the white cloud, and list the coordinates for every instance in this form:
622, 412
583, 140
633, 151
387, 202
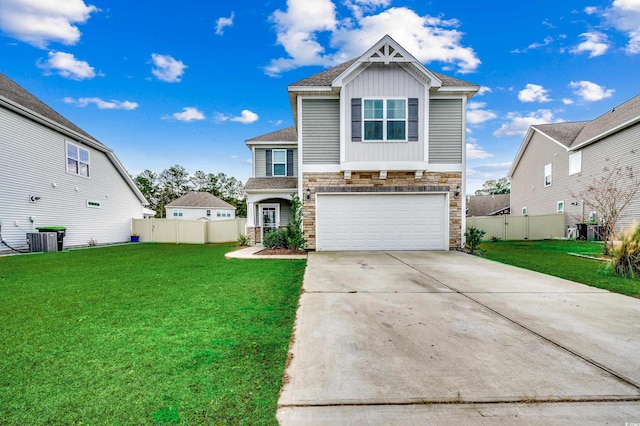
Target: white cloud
476, 113
596, 44
484, 90
547, 41
187, 114
567, 101
624, 15
427, 38
589, 91
42, 22
248, 161
517, 125
475, 151
245, 117
167, 68
101, 104
66, 65
223, 22
534, 93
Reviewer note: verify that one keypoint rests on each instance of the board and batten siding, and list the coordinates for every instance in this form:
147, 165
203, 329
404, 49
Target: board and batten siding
33, 162
384, 81
320, 131
261, 160
445, 131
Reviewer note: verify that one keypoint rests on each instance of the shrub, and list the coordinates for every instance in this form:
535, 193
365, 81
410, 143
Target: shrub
473, 239
275, 239
626, 259
243, 240
295, 238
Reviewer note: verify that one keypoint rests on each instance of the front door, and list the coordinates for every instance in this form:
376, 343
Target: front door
269, 218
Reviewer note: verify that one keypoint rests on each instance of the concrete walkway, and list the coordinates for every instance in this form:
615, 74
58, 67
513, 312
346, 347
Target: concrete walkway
252, 253
446, 338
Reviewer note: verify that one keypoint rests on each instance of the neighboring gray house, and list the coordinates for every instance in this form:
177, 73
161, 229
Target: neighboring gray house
376, 154
556, 160
488, 205
54, 173
200, 205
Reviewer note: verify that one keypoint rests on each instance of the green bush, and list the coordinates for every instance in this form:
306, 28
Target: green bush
473, 239
295, 237
243, 240
626, 259
275, 239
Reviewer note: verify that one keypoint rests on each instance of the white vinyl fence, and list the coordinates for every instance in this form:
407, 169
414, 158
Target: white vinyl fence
188, 231
530, 227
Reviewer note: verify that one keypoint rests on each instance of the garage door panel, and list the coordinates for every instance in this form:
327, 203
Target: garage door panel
381, 222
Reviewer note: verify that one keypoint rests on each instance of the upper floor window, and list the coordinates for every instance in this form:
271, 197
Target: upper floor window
385, 119
575, 163
547, 175
177, 213
77, 160
208, 213
279, 162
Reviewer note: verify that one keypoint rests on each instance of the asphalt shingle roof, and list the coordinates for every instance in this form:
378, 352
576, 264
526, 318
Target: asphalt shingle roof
285, 135
575, 133
271, 183
485, 205
16, 93
200, 199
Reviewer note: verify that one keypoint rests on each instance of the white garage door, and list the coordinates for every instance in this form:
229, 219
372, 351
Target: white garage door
381, 222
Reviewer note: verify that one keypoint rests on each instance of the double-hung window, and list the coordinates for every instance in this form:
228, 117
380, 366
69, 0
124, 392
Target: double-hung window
547, 175
279, 162
385, 119
77, 160
575, 163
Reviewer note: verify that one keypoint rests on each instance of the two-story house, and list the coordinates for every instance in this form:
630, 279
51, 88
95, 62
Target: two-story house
377, 155
54, 173
557, 161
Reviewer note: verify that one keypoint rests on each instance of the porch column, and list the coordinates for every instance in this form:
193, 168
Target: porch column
251, 214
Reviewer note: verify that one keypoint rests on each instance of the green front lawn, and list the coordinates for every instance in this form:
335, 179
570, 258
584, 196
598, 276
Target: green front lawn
550, 257
144, 334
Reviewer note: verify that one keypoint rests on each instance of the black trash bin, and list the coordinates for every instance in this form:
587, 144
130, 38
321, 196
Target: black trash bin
60, 230
582, 231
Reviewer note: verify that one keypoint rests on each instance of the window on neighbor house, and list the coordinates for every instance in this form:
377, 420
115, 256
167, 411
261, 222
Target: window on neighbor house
547, 175
575, 163
524, 211
279, 162
560, 207
385, 119
77, 160
208, 213
177, 213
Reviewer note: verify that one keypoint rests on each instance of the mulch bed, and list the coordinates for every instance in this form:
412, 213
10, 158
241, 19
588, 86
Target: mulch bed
285, 252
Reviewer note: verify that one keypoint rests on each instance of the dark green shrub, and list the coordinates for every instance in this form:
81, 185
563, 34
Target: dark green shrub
295, 239
275, 239
473, 239
626, 259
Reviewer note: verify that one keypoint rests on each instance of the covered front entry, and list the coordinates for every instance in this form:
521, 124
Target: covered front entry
366, 221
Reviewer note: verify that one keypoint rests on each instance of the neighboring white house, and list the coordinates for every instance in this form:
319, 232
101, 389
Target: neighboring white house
376, 154
200, 205
52, 173
557, 161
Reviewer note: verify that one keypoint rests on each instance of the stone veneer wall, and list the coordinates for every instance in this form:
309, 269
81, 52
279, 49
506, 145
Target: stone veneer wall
433, 181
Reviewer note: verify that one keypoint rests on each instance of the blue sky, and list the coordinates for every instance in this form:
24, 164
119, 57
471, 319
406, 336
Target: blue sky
166, 83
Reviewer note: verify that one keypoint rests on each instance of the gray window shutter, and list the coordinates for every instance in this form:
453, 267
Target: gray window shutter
412, 132
289, 162
356, 119
269, 163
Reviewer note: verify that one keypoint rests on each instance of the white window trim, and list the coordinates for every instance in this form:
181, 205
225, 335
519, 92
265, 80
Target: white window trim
577, 155
177, 213
385, 119
88, 163
560, 207
550, 174
524, 211
273, 162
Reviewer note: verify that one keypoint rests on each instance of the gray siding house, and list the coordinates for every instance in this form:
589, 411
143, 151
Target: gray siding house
52, 173
376, 155
558, 160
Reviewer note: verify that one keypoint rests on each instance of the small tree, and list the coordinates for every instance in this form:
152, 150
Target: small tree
295, 237
609, 195
473, 238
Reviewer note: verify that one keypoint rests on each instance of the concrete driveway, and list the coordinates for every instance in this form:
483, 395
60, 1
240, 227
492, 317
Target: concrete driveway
447, 338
